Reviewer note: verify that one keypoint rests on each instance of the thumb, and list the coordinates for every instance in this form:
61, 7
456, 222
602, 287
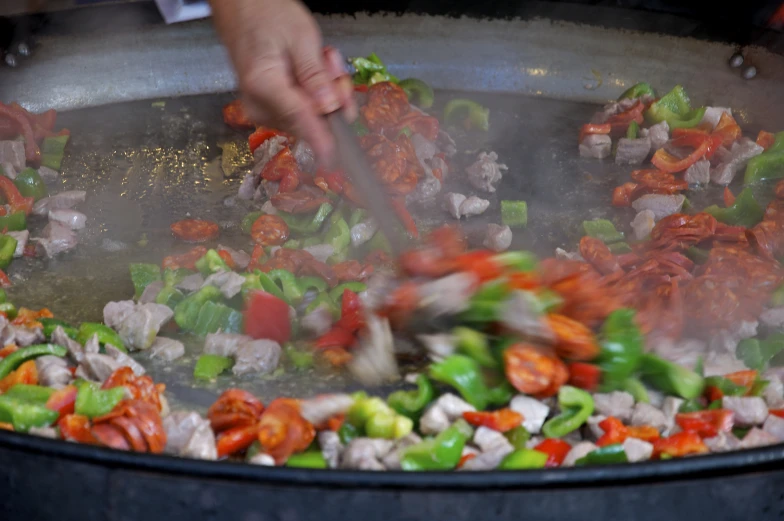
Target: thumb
310, 70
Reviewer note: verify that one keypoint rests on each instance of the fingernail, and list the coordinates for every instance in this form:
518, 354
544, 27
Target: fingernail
326, 100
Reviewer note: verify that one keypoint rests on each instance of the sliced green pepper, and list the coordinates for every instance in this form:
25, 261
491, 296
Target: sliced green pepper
208, 367
485, 305
7, 249
291, 290
106, 335
518, 437
474, 344
465, 375
671, 378
308, 283
675, 108
523, 459
301, 359
619, 248
291, 244
638, 91
637, 389
30, 393
622, 345
30, 184
370, 70
603, 230
767, 165
9, 310
413, 403
379, 242
389, 425
14, 222
576, 407
725, 385
24, 415
186, 313
692, 405
214, 317
336, 293
211, 263
348, 432
633, 130
356, 217
50, 324
247, 222
142, 275
517, 260
169, 296
307, 460
745, 211
468, 113
173, 277
418, 92
757, 354
549, 300
514, 214
323, 299
338, 236
440, 453
14, 360
269, 285
53, 151
307, 224
92, 401
604, 456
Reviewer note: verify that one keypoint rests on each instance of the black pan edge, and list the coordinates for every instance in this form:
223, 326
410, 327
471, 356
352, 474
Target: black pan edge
713, 466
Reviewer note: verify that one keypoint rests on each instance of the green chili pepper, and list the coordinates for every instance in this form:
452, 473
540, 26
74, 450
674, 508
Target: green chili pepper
745, 211
621, 348
514, 213
698, 255
9, 310
380, 77
208, 367
518, 437
211, 263
142, 275
633, 130
169, 296
671, 378
413, 403
336, 293
214, 317
524, 459
15, 222
418, 92
603, 230
339, 236
638, 91
465, 375
370, 70
24, 415
92, 401
299, 358
247, 222
307, 460
308, 224
14, 360
468, 113
30, 184
767, 165
307, 283
323, 299
740, 432
474, 344
30, 393
636, 388
675, 108
291, 291
604, 456
53, 151
106, 335
356, 217
7, 249
576, 407
50, 324
440, 453
186, 313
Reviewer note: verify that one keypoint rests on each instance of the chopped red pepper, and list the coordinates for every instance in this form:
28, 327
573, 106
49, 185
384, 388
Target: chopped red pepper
464, 458
727, 129
745, 378
647, 433
351, 318
765, 139
256, 257
777, 412
75, 427
260, 135
502, 420
5, 282
620, 122
592, 128
729, 197
19, 120
681, 444
335, 337
479, 263
267, 316
584, 376
234, 116
63, 400
361, 88
521, 280
555, 449
616, 432
14, 198
283, 431
706, 424
24, 374
667, 162
227, 258
7, 350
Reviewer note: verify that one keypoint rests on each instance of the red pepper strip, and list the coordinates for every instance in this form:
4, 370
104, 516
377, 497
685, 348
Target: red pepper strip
555, 449
729, 197
680, 444
667, 162
592, 128
694, 137
765, 139
706, 424
464, 458
227, 258
584, 376
777, 412
5, 282
335, 337
259, 136
256, 257
522, 281
14, 198
502, 420
479, 263
727, 129
32, 152
614, 432
399, 206
63, 400
237, 439
620, 122
745, 379
351, 318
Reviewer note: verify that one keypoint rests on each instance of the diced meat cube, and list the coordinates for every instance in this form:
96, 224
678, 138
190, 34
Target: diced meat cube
229, 283
8, 170
248, 186
61, 201
392, 460
441, 413
424, 148
473, 206
519, 314
374, 361
617, 403
593, 428
659, 134
317, 322
533, 411
774, 425
596, 146
305, 157
448, 295
21, 241
139, 327
487, 439
748, 410
45, 432
167, 349
632, 151
151, 291
438, 346
57, 238
13, 152
578, 451
61, 338
97, 367
362, 232
319, 409
124, 359
189, 435
637, 450
22, 336
241, 259
262, 460
498, 237
661, 205
698, 173
647, 414
322, 252
486, 172
53, 371
643, 223
70, 218
774, 391
670, 408
365, 454
191, 283
428, 187
713, 115
48, 175
257, 356
722, 442
757, 437
773, 317
452, 202
740, 154
331, 447
488, 460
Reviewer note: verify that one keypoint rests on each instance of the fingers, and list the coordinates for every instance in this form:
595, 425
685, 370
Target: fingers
344, 86
310, 71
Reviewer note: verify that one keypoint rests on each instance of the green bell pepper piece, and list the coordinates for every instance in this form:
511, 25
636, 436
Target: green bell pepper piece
208, 367
485, 305
549, 300
24, 415
637, 389
50, 324
14, 360
576, 407
365, 408
106, 335
777, 298
440, 453
633, 130
214, 317
380, 77
468, 113
348, 432
621, 352
339, 236
336, 293
301, 359
675, 108
638, 91
3, 296
474, 344
53, 151
15, 222
744, 212
307, 283
291, 291
211, 263
389, 425
7, 249
767, 165
9, 310
307, 460
405, 131
169, 296
619, 248
323, 299
523, 459
269, 285
30, 184
671, 378
518, 437
697, 255
247, 222
142, 275
413, 403
418, 92
30, 393
514, 214
604, 456
725, 385
92, 401
291, 244
307, 224
517, 260
173, 277
186, 313
465, 375
603, 230
692, 405
369, 68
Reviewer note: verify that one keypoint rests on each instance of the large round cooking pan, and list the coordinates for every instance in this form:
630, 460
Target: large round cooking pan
126, 57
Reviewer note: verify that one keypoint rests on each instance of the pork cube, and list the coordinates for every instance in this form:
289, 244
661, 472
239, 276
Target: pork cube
749, 410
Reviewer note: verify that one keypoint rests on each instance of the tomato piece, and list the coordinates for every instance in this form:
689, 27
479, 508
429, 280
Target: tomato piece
75, 427
502, 420
593, 128
481, 264
681, 444
283, 431
765, 139
234, 116
267, 316
706, 424
195, 230
24, 374
614, 432
260, 135
186, 260
236, 440
335, 337
727, 129
555, 449
621, 196
269, 230
584, 376
528, 369
63, 400
729, 197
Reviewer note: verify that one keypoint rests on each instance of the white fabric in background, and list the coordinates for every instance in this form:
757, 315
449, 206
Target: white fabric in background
174, 11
